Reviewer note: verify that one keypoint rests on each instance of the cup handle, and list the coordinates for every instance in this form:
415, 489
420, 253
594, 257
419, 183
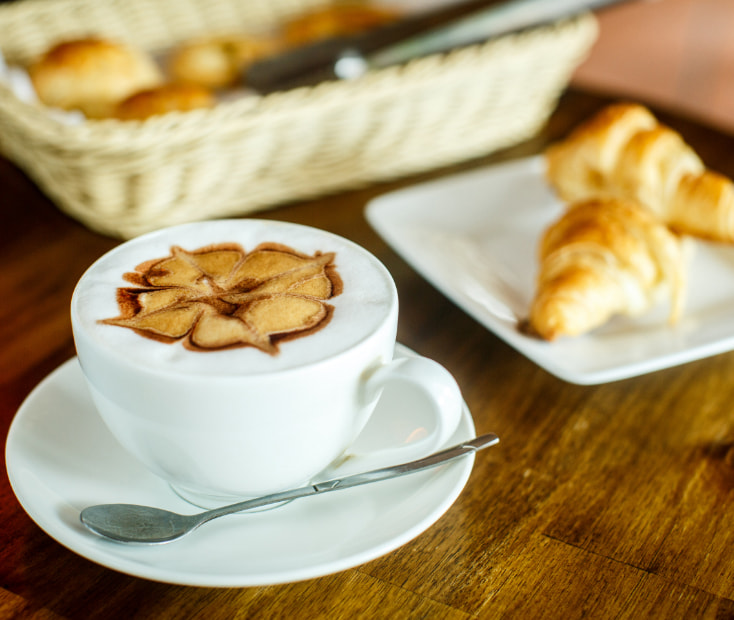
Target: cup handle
439, 392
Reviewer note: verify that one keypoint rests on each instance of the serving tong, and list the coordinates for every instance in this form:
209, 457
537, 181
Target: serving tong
439, 30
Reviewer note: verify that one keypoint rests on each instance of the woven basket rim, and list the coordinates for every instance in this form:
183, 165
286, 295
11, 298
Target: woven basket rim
252, 108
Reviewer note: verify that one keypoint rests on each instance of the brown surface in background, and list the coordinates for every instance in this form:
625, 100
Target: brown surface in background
678, 54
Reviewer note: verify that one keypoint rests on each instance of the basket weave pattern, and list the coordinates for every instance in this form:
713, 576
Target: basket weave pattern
123, 179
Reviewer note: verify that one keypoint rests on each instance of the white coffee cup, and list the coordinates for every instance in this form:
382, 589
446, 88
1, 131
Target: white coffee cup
242, 422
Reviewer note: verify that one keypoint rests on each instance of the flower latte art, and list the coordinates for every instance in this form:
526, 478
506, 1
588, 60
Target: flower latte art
220, 296
257, 296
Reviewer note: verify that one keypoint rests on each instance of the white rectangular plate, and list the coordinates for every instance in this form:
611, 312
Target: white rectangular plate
474, 236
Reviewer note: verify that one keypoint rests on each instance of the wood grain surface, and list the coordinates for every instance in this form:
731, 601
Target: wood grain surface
609, 501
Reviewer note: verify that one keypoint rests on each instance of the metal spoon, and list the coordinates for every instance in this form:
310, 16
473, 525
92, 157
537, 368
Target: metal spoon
145, 524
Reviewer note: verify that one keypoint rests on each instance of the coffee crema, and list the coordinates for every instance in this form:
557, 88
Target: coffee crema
220, 296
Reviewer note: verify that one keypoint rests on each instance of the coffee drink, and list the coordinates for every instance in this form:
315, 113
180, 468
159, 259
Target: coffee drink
234, 293
238, 358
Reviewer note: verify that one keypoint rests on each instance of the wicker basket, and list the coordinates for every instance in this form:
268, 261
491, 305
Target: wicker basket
123, 179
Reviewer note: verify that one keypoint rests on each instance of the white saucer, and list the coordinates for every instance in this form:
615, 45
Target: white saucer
60, 458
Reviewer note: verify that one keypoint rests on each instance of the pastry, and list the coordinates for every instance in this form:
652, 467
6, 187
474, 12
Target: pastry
336, 20
91, 75
218, 62
602, 258
624, 152
164, 99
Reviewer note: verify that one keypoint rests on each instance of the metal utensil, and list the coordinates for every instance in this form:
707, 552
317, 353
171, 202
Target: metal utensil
440, 31
145, 524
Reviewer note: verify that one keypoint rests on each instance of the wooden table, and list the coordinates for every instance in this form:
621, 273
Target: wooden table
614, 500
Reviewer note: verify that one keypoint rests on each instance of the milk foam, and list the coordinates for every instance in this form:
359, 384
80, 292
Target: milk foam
367, 301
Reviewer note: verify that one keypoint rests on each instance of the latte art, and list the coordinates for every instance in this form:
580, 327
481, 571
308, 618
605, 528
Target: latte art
229, 298
221, 296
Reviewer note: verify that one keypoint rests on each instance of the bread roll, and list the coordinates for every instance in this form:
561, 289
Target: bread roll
336, 20
218, 62
162, 100
91, 75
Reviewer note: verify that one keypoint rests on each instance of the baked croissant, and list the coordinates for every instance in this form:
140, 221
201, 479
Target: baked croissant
604, 257
623, 152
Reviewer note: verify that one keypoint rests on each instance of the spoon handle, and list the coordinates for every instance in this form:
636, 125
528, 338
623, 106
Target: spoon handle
385, 473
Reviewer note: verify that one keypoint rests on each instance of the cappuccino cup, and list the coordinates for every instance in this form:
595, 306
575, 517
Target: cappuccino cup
237, 358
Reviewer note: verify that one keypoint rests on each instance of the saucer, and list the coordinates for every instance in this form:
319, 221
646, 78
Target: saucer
61, 458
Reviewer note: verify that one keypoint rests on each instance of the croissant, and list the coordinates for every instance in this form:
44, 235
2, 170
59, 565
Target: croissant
623, 152
604, 257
